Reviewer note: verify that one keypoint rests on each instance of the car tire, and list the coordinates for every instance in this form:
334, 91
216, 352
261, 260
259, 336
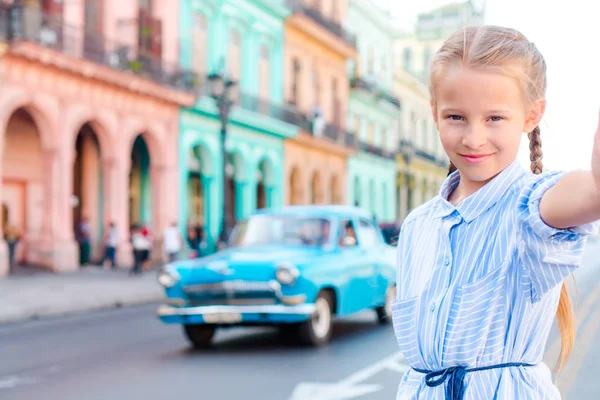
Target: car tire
317, 330
200, 336
384, 312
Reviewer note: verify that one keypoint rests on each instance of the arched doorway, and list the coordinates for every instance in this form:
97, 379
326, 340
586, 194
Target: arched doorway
23, 177
195, 187
264, 185
87, 194
357, 192
335, 190
295, 187
4, 217
316, 189
140, 190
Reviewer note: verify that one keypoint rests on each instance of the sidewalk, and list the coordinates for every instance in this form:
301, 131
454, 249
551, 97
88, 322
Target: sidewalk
43, 294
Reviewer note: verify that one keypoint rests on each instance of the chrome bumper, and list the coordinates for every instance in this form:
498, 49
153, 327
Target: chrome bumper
300, 309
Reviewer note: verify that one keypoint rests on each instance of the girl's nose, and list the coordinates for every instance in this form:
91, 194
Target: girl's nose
474, 138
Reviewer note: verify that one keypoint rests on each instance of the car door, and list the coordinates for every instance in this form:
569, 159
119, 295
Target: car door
355, 277
369, 238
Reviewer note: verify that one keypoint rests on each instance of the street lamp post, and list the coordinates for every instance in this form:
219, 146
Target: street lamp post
220, 90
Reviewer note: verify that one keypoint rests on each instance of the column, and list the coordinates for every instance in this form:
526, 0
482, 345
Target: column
240, 200
119, 205
56, 248
3, 245
160, 217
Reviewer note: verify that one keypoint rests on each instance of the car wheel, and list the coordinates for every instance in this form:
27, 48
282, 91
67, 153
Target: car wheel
317, 330
199, 335
384, 312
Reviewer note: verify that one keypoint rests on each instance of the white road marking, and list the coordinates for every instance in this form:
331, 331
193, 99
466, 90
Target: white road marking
8, 382
349, 387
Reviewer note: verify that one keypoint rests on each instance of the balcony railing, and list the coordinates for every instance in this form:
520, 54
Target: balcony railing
378, 151
300, 6
266, 108
19, 23
371, 87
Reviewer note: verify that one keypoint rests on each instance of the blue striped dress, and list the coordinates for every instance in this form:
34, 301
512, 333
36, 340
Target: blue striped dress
478, 284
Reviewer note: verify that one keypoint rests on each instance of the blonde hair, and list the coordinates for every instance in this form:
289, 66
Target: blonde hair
507, 51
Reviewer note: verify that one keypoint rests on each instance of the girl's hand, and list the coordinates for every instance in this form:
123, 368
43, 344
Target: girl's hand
596, 159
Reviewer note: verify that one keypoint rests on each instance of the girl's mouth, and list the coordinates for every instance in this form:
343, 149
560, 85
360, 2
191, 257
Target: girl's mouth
475, 158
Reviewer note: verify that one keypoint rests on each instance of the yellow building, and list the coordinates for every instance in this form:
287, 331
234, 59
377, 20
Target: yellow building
422, 163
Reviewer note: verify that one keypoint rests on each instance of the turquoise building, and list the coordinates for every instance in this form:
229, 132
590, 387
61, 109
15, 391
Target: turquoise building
244, 40
373, 113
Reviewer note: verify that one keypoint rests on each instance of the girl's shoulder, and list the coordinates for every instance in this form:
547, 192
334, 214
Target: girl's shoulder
422, 212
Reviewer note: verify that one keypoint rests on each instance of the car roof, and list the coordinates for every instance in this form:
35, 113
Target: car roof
317, 210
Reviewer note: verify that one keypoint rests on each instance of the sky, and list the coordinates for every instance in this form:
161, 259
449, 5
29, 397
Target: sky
568, 36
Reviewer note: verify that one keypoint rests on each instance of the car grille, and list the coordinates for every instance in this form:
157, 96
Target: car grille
232, 293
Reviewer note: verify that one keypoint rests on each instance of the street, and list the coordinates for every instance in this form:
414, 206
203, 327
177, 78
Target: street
128, 354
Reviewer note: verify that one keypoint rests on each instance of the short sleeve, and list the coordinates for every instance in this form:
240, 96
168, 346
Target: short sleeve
548, 255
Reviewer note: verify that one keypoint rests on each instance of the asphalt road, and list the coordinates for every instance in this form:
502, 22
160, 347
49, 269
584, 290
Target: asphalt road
129, 354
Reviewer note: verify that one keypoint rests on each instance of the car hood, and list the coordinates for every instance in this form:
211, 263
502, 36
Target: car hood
244, 263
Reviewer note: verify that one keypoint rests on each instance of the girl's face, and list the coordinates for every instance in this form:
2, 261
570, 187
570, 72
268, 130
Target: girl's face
481, 116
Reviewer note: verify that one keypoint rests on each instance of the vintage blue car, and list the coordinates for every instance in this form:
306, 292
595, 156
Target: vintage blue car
295, 267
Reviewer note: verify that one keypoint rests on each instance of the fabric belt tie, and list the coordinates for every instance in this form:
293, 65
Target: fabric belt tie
455, 387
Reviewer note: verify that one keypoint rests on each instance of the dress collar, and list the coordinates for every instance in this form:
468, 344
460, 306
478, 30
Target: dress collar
478, 202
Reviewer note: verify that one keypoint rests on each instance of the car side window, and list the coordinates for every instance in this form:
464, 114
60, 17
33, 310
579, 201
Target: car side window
347, 237
368, 234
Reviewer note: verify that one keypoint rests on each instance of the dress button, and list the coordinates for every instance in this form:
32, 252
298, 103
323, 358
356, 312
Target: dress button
432, 307
446, 262
429, 361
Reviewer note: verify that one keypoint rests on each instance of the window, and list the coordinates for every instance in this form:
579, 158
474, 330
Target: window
316, 88
357, 125
296, 67
199, 43
371, 61
367, 233
264, 71
336, 105
407, 59
371, 133
384, 139
347, 236
235, 55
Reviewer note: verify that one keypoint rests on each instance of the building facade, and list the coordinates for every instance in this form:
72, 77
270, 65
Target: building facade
90, 93
317, 48
422, 163
243, 41
374, 113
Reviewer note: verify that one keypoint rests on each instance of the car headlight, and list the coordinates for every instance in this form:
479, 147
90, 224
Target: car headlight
167, 277
287, 273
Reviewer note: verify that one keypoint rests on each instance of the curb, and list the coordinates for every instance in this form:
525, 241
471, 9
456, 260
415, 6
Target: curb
43, 312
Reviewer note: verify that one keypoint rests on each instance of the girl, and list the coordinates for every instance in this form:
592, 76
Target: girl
481, 266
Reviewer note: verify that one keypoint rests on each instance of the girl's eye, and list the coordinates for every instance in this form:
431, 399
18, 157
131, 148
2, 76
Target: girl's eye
496, 119
455, 117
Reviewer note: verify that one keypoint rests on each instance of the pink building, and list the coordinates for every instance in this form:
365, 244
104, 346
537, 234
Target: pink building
82, 81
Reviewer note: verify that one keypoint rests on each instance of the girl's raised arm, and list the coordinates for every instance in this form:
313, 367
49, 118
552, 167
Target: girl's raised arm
575, 199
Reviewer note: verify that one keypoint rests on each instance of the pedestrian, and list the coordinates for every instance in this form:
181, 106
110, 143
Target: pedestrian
111, 241
84, 238
481, 267
141, 248
12, 237
193, 240
172, 242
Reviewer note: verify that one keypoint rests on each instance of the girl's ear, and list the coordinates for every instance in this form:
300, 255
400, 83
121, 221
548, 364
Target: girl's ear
535, 114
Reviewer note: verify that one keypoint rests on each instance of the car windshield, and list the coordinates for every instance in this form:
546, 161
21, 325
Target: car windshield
281, 229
